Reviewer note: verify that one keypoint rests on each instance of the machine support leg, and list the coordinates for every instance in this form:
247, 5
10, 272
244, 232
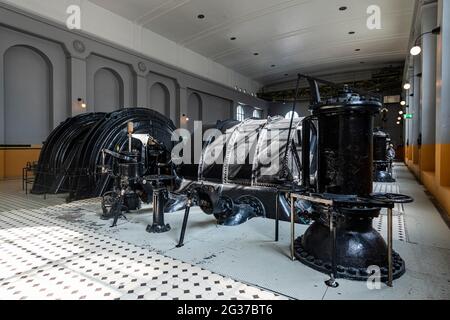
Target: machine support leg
159, 201
332, 281
183, 228
26, 182
277, 220
292, 229
390, 275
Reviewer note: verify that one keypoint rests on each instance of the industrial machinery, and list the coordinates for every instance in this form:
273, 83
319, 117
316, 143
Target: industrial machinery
246, 183
57, 159
318, 168
342, 240
131, 185
326, 161
73, 160
383, 157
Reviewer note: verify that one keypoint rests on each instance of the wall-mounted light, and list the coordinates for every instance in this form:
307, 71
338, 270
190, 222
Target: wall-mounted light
407, 86
398, 122
401, 112
82, 103
416, 50
403, 103
399, 118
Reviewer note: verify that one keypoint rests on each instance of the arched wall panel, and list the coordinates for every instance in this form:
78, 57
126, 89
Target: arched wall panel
117, 92
170, 110
214, 108
159, 99
195, 110
108, 91
53, 54
28, 96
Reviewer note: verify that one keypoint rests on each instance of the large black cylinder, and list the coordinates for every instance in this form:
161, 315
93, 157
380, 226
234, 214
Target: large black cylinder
382, 167
345, 148
345, 171
379, 146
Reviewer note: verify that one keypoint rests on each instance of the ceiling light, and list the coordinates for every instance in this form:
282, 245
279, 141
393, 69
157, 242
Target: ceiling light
201, 16
357, 49
407, 86
286, 74
273, 66
233, 38
351, 32
256, 54
403, 103
343, 8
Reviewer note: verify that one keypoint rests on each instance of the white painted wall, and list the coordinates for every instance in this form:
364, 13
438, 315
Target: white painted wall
111, 27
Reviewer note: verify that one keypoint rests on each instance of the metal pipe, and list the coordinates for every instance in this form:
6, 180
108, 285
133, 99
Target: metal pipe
332, 281
292, 228
306, 128
130, 136
277, 219
390, 274
185, 221
297, 90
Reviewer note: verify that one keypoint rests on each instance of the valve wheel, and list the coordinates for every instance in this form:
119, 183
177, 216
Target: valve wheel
392, 197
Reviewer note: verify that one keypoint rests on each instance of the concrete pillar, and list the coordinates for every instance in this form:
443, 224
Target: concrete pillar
443, 98
77, 84
428, 106
182, 106
410, 109
2, 104
141, 91
416, 126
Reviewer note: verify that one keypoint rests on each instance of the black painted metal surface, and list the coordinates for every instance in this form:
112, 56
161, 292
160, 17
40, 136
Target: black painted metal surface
382, 170
59, 151
345, 172
72, 155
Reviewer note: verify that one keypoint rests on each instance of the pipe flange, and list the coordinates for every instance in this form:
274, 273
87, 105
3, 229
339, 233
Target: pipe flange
347, 272
253, 202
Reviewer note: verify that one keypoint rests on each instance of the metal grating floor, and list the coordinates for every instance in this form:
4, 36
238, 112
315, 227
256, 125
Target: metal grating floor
43, 257
399, 225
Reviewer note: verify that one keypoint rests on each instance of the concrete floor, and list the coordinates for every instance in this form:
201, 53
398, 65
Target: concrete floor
248, 253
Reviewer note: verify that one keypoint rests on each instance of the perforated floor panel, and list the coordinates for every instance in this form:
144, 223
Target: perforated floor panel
380, 224
43, 257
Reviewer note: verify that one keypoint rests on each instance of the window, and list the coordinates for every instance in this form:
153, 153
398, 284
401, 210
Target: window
240, 113
289, 115
257, 114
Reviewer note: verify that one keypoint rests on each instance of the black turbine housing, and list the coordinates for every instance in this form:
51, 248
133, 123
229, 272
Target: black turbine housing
382, 164
345, 166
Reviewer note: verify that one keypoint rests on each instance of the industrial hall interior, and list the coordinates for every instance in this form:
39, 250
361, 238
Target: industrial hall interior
242, 150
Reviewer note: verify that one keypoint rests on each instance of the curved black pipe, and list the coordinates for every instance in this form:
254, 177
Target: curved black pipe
111, 134
58, 152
